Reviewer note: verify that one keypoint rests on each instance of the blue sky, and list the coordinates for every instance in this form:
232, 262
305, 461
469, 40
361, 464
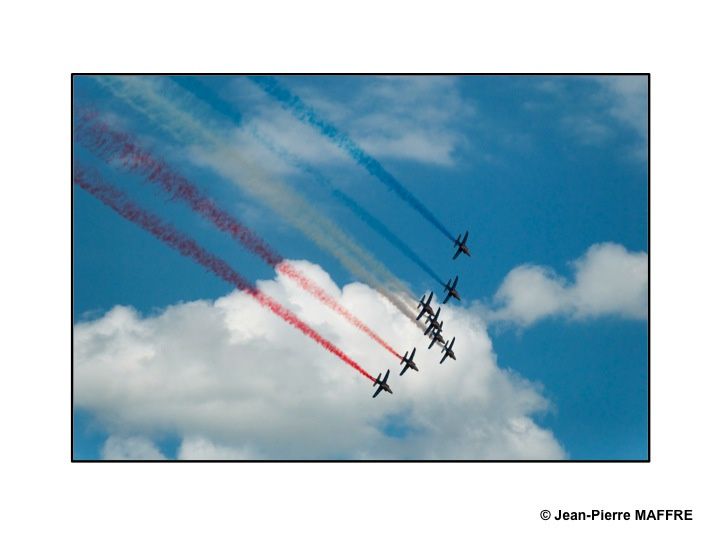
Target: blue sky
539, 169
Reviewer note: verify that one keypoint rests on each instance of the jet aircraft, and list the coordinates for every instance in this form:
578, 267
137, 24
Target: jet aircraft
432, 321
426, 307
383, 385
461, 246
409, 363
451, 290
447, 349
434, 327
436, 336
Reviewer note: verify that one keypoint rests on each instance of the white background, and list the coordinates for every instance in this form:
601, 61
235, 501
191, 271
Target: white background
44, 494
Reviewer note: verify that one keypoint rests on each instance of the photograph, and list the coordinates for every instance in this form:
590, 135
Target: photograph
360, 267
359, 270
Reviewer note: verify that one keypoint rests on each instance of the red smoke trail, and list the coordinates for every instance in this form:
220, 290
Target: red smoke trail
119, 148
116, 200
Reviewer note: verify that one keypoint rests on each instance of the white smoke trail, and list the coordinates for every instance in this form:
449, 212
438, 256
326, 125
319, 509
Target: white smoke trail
171, 114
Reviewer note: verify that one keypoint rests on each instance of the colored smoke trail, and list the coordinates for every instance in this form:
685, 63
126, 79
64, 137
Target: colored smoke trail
349, 203
227, 109
170, 112
305, 113
118, 148
117, 201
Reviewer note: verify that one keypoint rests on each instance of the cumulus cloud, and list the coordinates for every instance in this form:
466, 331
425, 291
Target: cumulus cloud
608, 280
133, 448
233, 381
200, 448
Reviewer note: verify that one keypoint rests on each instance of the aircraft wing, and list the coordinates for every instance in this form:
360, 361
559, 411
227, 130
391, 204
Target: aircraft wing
434, 339
404, 369
429, 298
455, 282
377, 391
457, 253
444, 357
412, 354
446, 298
420, 315
465, 238
387, 374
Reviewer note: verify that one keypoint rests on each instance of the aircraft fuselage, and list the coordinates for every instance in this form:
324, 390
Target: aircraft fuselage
434, 324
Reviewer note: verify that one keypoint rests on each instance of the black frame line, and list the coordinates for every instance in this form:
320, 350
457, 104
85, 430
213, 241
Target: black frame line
225, 74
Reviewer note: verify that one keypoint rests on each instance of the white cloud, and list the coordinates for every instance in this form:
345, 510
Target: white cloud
413, 118
201, 448
612, 103
232, 380
608, 280
410, 118
627, 97
588, 128
133, 448
529, 293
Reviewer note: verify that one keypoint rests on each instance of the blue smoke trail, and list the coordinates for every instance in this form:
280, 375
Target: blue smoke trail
207, 95
350, 203
306, 114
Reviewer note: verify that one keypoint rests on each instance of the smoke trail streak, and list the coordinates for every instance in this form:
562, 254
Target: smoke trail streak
207, 95
305, 113
117, 201
118, 148
143, 95
348, 202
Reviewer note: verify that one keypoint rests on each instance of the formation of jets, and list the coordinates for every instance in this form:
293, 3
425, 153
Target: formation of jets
434, 327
